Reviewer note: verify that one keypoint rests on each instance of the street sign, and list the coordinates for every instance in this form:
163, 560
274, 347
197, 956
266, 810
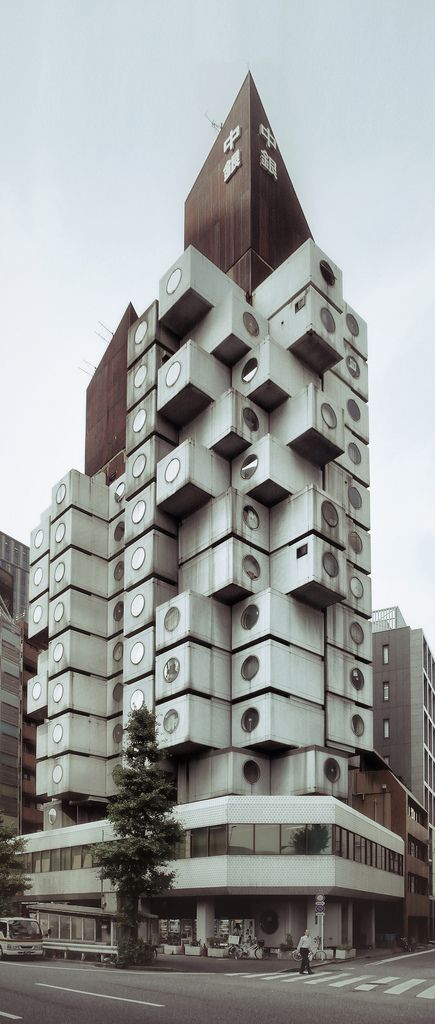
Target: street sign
320, 909
320, 898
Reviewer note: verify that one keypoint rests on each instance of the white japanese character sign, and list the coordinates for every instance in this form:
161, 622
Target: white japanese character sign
231, 166
235, 134
267, 135
268, 164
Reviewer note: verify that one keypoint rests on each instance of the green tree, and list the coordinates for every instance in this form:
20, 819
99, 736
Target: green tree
146, 834
13, 881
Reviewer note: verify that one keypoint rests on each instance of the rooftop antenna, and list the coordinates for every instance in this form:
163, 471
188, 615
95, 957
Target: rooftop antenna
105, 328
215, 125
106, 340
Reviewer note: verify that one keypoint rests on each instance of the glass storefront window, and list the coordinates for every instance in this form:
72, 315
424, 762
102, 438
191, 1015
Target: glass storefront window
76, 857
86, 857
55, 860
217, 840
89, 932
65, 859
53, 924
240, 839
65, 928
267, 839
76, 929
45, 860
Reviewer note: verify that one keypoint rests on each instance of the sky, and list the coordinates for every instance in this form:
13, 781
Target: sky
104, 122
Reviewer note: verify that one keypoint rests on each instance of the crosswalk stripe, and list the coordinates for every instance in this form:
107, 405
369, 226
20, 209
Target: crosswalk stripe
304, 977
373, 984
403, 986
349, 981
265, 977
316, 981
429, 993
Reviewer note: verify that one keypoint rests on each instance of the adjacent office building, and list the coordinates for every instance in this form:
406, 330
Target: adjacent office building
213, 563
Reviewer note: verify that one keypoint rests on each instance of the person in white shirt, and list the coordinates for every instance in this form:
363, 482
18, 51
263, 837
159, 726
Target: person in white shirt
304, 947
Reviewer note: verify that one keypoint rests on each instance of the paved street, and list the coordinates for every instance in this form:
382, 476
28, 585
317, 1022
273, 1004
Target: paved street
395, 989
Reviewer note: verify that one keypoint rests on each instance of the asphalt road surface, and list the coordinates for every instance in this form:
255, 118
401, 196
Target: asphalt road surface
396, 989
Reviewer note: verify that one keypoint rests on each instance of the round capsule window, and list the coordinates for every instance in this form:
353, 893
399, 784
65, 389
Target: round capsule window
39, 537
171, 670
117, 733
139, 421
251, 567
250, 667
352, 324
357, 678
328, 415
36, 691
251, 517
138, 511
356, 587
354, 453
353, 367
137, 652
172, 619
57, 733
137, 605
119, 531
58, 611
173, 373
119, 491
58, 653
59, 572
139, 466
250, 616
353, 409
57, 773
251, 773
172, 470
37, 576
330, 563
60, 495
140, 332
355, 497
140, 376
118, 611
171, 721
118, 571
250, 720
250, 418
331, 769
329, 513
138, 558
52, 815
37, 614
327, 272
58, 693
249, 370
251, 324
355, 542
357, 725
118, 651
327, 319
118, 691
357, 633
249, 467
173, 281
60, 532
137, 700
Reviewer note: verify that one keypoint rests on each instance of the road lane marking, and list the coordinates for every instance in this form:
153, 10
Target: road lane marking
99, 995
403, 986
403, 956
349, 981
10, 1016
429, 993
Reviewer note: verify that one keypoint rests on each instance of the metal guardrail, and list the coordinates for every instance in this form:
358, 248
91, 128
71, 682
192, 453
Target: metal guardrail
100, 949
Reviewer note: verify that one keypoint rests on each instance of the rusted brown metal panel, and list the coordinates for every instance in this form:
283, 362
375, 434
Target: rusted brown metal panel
106, 398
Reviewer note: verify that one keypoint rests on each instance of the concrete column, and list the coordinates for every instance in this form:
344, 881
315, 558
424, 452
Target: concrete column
371, 926
350, 922
204, 919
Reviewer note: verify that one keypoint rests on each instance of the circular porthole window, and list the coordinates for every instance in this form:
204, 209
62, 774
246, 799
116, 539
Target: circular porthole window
37, 576
355, 542
356, 587
173, 374
269, 921
251, 567
251, 772
138, 511
137, 652
59, 572
57, 733
355, 497
117, 733
58, 693
118, 691
327, 272
250, 720
172, 470
173, 281
251, 324
352, 324
52, 815
331, 769
171, 721
137, 605
137, 700
138, 558
119, 491
354, 453
250, 667
139, 466
357, 725
327, 319
249, 467
118, 651
353, 367
57, 773
330, 563
37, 614
250, 616
357, 678
172, 619
118, 571
36, 691
329, 513
119, 531
140, 332
251, 517
61, 492
357, 633
58, 653
139, 421
58, 611
328, 415
249, 370
60, 532
39, 537
250, 418
140, 376
118, 611
171, 670
353, 409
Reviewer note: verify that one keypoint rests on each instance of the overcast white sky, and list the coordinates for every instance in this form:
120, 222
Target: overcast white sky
103, 132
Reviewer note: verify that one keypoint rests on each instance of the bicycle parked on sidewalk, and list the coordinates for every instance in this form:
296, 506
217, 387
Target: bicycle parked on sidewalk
248, 951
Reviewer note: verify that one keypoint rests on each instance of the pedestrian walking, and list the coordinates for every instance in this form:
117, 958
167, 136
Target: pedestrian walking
304, 947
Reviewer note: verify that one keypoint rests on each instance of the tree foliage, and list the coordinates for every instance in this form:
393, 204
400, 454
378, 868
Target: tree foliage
146, 834
13, 881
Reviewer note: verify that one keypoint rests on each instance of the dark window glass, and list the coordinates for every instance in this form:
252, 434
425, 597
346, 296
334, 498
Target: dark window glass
293, 839
267, 839
65, 859
319, 839
240, 839
199, 842
217, 840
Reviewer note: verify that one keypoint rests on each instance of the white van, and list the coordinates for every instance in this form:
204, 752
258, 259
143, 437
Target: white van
20, 936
